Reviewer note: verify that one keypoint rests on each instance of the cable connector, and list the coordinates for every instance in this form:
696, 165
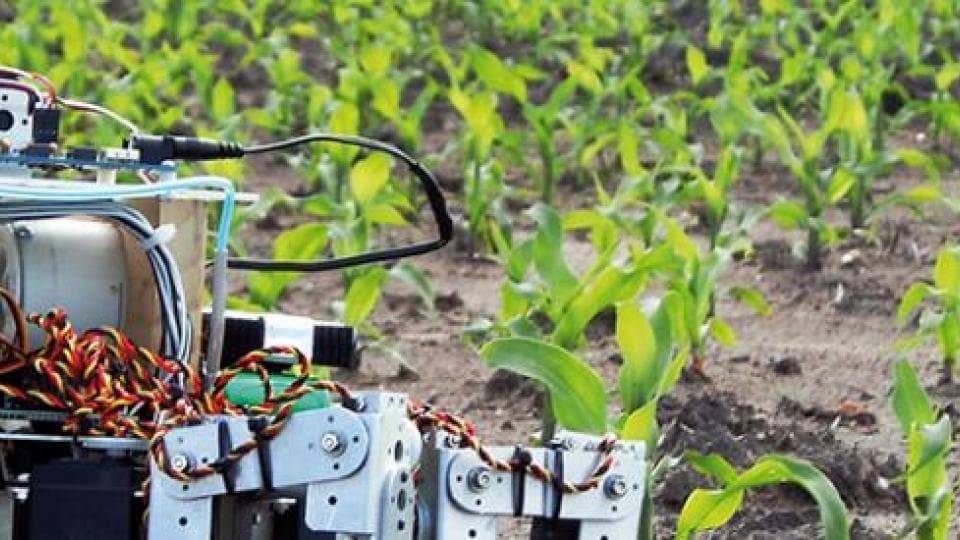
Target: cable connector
155, 149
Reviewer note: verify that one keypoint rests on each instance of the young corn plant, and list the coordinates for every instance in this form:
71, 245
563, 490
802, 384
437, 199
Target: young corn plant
928, 434
940, 316
710, 509
652, 364
653, 361
800, 151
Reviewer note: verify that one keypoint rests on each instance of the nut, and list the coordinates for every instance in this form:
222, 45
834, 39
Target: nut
615, 486
479, 478
330, 443
180, 462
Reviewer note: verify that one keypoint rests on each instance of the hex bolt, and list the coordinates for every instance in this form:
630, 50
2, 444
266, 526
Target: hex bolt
615, 487
23, 232
479, 478
180, 462
330, 443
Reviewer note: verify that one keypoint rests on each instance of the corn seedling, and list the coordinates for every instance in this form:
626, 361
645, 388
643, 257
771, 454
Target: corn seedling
710, 509
928, 434
940, 319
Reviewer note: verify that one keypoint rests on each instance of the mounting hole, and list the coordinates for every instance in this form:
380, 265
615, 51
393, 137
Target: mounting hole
183, 521
204, 460
499, 479
186, 487
3, 97
636, 487
459, 478
336, 466
402, 500
398, 451
25, 121
479, 502
401, 525
404, 477
472, 533
355, 439
604, 537
332, 500
613, 508
6, 120
330, 419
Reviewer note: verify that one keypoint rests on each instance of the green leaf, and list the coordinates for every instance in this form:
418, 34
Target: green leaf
753, 298
384, 214
723, 333
946, 271
548, 256
639, 374
641, 425
585, 77
697, 64
840, 185
369, 175
948, 334
303, 242
923, 195
916, 294
775, 469
910, 402
363, 295
415, 277
375, 59
222, 104
707, 509
579, 396
345, 119
495, 74
612, 285
947, 75
788, 214
712, 465
386, 100
627, 145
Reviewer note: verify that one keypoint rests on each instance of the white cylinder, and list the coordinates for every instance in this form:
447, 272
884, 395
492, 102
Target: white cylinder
73, 263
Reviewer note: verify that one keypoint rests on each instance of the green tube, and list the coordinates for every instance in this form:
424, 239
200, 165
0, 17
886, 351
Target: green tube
246, 390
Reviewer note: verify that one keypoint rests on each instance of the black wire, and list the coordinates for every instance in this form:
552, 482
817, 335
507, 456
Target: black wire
430, 186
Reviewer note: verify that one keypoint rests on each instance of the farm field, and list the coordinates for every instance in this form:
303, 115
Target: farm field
729, 229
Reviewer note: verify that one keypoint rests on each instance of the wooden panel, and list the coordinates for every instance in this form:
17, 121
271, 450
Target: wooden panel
188, 247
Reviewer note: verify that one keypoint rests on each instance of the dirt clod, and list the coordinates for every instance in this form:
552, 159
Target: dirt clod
786, 366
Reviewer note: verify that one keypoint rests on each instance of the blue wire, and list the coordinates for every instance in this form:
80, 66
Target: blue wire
100, 192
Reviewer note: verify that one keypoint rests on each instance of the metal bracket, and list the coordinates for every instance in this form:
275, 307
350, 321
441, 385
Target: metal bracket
462, 496
354, 471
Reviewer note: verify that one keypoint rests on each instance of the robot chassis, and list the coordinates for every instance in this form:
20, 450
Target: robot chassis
363, 469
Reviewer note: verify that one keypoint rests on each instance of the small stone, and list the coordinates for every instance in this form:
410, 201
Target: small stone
850, 258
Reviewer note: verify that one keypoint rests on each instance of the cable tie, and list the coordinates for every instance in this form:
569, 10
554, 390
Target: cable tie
521, 460
161, 236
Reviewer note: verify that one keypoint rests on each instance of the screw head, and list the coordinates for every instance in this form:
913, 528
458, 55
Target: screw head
180, 462
616, 486
330, 443
479, 478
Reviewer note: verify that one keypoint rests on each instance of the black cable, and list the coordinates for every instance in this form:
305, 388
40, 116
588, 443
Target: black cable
156, 149
430, 185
